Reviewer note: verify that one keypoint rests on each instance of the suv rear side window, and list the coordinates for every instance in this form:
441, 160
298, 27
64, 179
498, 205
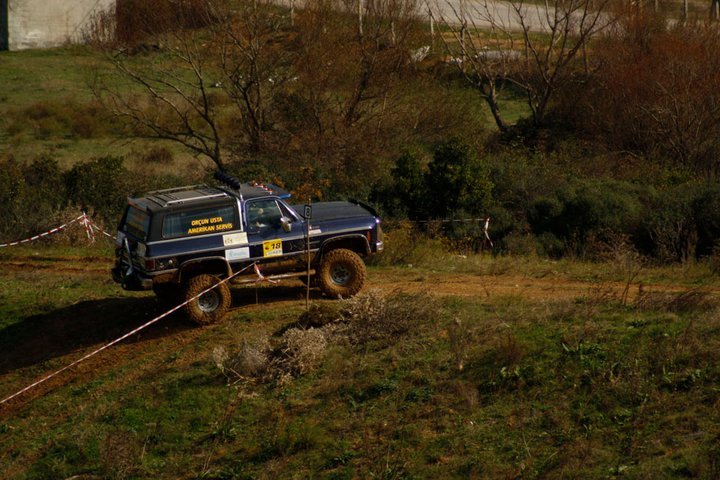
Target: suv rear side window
137, 223
198, 222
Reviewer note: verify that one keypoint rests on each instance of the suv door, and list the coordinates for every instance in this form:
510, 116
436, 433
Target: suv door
267, 236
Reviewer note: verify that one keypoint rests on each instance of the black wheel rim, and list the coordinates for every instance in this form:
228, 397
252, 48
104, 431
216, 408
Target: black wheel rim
340, 274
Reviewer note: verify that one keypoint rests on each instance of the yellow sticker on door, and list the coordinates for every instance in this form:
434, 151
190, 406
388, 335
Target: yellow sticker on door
272, 248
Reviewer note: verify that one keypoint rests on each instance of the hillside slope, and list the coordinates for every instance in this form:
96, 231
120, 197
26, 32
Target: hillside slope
480, 368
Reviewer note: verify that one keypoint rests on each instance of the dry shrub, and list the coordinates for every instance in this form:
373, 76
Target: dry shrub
158, 155
75, 234
300, 351
369, 318
375, 317
251, 360
321, 314
690, 301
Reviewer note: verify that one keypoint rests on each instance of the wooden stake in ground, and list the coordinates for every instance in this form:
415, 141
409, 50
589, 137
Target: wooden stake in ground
308, 216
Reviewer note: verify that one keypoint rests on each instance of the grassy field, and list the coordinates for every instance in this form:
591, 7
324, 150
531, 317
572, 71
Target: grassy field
47, 108
447, 366
455, 367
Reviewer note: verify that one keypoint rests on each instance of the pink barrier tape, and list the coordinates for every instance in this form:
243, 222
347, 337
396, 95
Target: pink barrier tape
261, 277
85, 222
486, 224
82, 218
117, 340
447, 220
485, 231
100, 230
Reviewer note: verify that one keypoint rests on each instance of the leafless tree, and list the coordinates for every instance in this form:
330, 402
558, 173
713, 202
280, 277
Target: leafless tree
347, 94
255, 65
206, 88
534, 47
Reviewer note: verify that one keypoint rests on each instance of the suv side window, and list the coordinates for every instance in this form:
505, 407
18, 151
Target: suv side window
262, 214
136, 223
197, 222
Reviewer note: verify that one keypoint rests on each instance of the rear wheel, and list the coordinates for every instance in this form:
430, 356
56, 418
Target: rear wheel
211, 306
341, 273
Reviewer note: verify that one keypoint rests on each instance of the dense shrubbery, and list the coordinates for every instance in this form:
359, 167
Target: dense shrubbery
538, 206
29, 195
33, 194
683, 223
99, 185
588, 208
454, 184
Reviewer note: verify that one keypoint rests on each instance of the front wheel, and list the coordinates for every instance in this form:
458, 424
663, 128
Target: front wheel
212, 305
341, 273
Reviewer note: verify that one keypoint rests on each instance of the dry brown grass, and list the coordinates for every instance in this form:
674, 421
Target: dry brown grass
370, 320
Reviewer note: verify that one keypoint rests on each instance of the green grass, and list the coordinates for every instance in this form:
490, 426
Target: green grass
44, 75
492, 386
47, 107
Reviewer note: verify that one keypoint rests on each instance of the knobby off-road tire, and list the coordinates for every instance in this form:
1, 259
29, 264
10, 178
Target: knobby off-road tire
210, 307
341, 273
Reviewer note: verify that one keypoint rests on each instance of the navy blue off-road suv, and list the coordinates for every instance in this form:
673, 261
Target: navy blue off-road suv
181, 241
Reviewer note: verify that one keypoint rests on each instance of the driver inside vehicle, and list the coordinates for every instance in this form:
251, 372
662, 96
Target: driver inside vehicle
263, 214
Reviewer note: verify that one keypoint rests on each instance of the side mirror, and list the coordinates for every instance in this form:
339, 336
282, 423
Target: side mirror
286, 223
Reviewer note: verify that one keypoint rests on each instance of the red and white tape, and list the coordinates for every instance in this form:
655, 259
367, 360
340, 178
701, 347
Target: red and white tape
98, 229
120, 339
83, 219
485, 231
261, 277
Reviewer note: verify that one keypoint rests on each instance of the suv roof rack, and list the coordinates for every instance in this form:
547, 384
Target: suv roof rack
177, 189
173, 196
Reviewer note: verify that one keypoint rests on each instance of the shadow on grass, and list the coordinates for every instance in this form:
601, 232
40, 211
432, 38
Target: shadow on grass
42, 337
89, 323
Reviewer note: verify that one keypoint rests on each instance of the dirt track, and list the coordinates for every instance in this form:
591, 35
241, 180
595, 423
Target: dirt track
47, 341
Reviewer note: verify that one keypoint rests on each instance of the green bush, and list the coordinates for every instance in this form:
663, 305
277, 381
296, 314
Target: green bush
29, 196
706, 208
456, 180
683, 222
585, 208
99, 186
669, 232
